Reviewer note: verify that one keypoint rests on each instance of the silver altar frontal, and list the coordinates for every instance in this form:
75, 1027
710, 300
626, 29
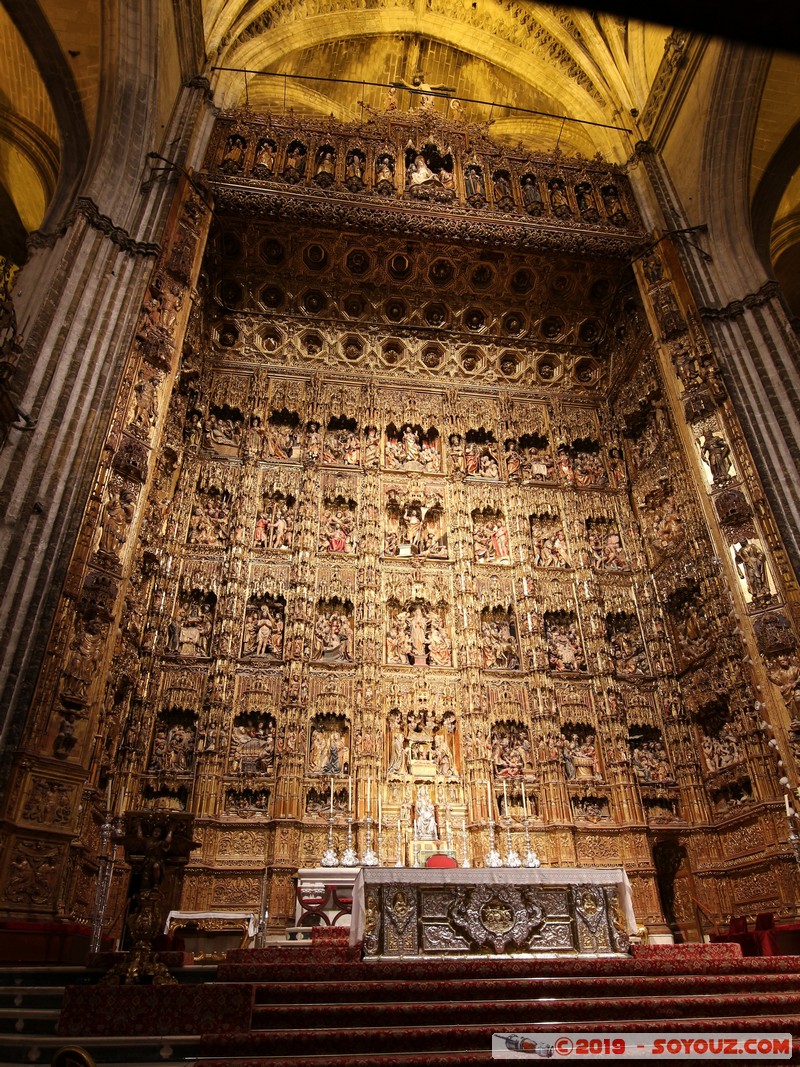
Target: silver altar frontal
448, 912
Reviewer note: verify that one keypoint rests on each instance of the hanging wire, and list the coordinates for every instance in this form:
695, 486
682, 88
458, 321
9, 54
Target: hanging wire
426, 92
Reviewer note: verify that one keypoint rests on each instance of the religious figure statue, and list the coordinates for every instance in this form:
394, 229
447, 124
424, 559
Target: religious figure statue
418, 630
145, 402
422, 89
650, 761
502, 189
531, 195
473, 182
295, 165
425, 821
384, 175
564, 646
721, 750
549, 543
156, 846
511, 750
693, 630
117, 516
558, 199
499, 645
419, 173
337, 530
752, 565
253, 747
333, 637
336, 756
397, 746
222, 435
326, 167
208, 524
442, 755
265, 157
234, 153
667, 525
65, 739
785, 673
83, 660
263, 631
313, 442
716, 453
354, 170
455, 444
626, 646
439, 644
613, 205
588, 470
514, 461
194, 631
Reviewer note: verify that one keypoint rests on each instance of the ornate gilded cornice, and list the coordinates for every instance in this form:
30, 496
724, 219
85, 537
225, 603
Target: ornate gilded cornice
402, 220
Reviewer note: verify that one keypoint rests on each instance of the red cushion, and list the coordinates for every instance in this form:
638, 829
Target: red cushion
439, 859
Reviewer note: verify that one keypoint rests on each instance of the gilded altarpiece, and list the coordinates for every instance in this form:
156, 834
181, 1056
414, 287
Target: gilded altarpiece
442, 503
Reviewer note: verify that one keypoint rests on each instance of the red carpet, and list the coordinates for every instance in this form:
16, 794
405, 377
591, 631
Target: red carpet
321, 1005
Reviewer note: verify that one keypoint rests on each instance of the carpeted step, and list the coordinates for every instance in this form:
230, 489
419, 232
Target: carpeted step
465, 1058
381, 1040
380, 992
465, 967
468, 1058
552, 1012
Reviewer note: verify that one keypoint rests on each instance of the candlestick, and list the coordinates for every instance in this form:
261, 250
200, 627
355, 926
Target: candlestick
380, 815
108, 795
492, 858
400, 857
512, 856
369, 795
369, 859
489, 799
465, 860
350, 856
105, 874
531, 858
788, 806
349, 794
329, 857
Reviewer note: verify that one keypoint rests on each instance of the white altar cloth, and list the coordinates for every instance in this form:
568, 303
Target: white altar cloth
469, 876
184, 917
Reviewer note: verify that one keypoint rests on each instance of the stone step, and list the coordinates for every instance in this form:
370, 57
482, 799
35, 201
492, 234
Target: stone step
29, 1020
31, 1049
31, 996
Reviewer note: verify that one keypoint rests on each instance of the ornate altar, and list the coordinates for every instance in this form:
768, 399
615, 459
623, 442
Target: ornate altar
455, 912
